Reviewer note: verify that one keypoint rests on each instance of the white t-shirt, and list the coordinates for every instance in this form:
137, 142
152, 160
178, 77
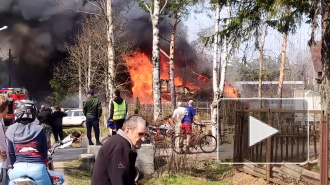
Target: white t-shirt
3, 144
178, 114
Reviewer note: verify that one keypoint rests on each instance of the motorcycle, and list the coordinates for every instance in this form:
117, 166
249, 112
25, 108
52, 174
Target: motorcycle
57, 178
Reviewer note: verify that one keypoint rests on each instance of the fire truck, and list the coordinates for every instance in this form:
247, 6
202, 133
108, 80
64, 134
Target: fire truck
13, 94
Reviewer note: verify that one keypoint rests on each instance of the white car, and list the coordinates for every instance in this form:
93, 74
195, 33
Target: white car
75, 118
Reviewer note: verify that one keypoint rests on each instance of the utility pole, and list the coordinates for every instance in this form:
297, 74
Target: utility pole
10, 60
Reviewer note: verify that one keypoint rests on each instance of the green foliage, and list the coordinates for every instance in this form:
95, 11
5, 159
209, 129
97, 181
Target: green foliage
251, 14
61, 88
180, 6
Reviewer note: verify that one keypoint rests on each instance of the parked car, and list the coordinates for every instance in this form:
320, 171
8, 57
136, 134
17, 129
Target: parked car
75, 118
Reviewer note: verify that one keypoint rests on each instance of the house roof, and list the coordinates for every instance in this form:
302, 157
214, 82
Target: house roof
316, 56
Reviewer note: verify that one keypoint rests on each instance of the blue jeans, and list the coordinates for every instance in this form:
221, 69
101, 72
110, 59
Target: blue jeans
36, 171
92, 121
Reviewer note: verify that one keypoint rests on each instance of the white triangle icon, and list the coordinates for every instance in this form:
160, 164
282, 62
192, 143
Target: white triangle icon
259, 131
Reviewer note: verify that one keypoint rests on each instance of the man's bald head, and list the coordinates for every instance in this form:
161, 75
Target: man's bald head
191, 103
179, 104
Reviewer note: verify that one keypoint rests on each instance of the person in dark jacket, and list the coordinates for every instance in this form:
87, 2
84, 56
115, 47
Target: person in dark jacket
118, 110
93, 111
115, 162
44, 117
56, 120
27, 145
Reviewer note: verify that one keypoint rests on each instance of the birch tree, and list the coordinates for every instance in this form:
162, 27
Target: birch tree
154, 9
171, 62
225, 56
111, 54
261, 59
216, 65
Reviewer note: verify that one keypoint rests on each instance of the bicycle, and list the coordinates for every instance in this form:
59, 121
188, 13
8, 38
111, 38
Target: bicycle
207, 142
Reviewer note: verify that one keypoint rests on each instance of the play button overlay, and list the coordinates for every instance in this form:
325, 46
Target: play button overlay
267, 130
259, 131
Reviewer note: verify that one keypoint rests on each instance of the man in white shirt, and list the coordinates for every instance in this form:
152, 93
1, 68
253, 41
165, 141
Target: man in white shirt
178, 115
3, 143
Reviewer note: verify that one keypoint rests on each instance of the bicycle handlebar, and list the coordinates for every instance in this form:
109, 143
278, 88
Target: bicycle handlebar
201, 125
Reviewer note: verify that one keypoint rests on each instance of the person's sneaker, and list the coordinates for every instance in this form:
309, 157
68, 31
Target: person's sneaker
98, 142
90, 142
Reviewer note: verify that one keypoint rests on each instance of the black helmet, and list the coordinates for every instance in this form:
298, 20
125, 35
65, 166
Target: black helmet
25, 111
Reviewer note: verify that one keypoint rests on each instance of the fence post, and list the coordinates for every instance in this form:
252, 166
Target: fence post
268, 150
324, 148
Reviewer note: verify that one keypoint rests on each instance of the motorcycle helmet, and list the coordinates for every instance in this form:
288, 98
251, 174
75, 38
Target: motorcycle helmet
25, 111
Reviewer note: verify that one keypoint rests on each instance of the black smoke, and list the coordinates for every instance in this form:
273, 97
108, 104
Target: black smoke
38, 29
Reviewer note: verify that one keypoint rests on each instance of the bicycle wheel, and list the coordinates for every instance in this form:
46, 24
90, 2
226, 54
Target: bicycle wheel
208, 144
176, 146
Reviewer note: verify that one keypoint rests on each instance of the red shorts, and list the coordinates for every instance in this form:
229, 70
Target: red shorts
186, 128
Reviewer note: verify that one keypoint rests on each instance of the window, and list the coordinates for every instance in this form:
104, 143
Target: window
76, 113
81, 113
69, 113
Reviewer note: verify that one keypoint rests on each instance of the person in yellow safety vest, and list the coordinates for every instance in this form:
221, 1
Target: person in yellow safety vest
118, 110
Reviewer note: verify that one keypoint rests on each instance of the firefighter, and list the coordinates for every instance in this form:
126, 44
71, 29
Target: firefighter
118, 110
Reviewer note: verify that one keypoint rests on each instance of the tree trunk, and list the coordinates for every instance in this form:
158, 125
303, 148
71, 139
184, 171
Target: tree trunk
216, 49
155, 61
89, 66
172, 85
281, 78
80, 88
214, 112
325, 89
111, 53
224, 55
325, 51
261, 58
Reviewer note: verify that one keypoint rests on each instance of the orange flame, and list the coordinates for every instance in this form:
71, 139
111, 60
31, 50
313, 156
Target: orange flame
164, 67
230, 91
140, 69
203, 78
178, 81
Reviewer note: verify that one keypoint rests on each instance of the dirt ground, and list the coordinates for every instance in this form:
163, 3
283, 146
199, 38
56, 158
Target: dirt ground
239, 178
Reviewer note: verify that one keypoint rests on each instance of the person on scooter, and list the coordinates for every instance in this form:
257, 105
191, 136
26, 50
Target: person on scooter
27, 145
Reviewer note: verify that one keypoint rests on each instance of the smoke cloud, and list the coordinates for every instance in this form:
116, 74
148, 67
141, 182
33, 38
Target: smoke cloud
38, 29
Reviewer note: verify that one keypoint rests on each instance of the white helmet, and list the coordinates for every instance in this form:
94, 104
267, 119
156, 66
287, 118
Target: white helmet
25, 111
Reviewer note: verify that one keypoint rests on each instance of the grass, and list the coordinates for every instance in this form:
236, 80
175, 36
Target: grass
211, 175
212, 171
182, 179
77, 175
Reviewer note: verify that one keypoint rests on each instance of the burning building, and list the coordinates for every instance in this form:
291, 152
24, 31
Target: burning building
140, 69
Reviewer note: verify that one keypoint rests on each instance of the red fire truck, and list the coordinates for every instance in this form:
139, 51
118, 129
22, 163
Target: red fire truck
13, 95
